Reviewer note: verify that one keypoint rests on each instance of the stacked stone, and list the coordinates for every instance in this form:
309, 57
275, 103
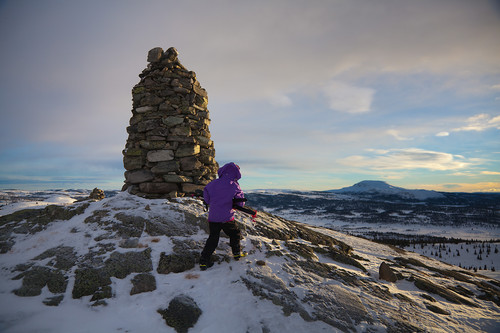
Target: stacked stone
168, 152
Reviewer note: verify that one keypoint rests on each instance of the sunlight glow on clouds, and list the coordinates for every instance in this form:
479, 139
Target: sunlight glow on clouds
463, 187
480, 122
409, 158
491, 173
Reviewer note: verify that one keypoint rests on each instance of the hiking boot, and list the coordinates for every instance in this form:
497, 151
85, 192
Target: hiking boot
204, 264
240, 255
204, 267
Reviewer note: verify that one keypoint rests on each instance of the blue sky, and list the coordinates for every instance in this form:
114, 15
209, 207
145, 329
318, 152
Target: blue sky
309, 95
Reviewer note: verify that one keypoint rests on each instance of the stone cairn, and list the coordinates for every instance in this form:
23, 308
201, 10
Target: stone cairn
168, 151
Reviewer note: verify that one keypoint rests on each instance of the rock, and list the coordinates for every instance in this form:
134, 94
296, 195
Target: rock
64, 257
144, 109
157, 188
176, 263
38, 277
172, 121
132, 162
181, 131
171, 54
185, 151
143, 283
191, 188
132, 152
166, 167
102, 293
190, 163
199, 90
139, 176
160, 155
89, 281
97, 194
176, 179
120, 265
169, 122
153, 145
204, 141
442, 291
339, 307
129, 243
437, 309
181, 314
53, 301
155, 54
386, 273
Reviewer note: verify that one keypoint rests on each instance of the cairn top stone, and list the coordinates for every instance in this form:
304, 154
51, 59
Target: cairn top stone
169, 151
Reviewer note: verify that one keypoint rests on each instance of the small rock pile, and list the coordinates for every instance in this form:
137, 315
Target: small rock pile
168, 152
97, 194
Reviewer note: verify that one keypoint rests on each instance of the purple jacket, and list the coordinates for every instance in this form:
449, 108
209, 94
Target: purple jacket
220, 192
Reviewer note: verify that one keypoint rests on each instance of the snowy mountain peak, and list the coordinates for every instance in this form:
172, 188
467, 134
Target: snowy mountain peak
369, 185
382, 188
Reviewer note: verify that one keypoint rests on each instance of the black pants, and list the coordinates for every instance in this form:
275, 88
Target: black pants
231, 229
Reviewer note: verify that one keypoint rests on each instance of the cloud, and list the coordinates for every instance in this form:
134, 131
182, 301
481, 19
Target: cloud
406, 159
281, 100
75, 87
443, 134
347, 98
480, 122
490, 173
463, 187
397, 135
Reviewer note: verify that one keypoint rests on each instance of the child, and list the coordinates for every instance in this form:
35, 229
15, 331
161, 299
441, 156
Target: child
219, 195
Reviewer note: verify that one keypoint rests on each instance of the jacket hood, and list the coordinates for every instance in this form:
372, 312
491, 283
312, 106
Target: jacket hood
230, 170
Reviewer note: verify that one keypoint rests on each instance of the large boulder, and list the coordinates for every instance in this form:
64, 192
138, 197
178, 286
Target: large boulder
182, 313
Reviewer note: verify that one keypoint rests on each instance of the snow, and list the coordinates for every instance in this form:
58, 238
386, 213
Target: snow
14, 200
227, 304
465, 255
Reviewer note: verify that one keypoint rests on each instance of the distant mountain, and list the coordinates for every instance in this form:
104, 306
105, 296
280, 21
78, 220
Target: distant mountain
382, 188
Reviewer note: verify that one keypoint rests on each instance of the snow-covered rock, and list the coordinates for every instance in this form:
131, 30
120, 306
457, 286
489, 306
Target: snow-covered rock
117, 264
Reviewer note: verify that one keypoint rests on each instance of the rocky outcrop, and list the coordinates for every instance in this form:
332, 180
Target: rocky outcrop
169, 152
31, 221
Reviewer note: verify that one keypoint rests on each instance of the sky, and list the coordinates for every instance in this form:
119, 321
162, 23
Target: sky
306, 95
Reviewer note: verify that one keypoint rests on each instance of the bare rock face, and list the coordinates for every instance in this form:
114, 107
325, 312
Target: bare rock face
168, 151
386, 273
